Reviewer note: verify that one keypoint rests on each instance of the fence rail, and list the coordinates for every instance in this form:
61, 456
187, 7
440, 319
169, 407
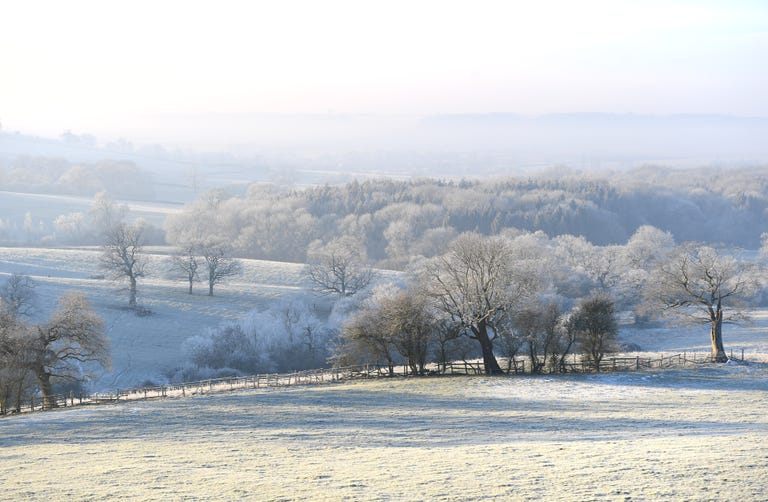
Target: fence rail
328, 375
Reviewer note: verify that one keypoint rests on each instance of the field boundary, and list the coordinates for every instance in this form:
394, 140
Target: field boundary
341, 374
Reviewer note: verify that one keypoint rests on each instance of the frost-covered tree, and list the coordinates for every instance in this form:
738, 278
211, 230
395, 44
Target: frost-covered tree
218, 265
364, 339
475, 283
539, 326
411, 324
185, 263
122, 256
106, 214
73, 337
16, 379
70, 227
18, 298
596, 329
698, 284
339, 268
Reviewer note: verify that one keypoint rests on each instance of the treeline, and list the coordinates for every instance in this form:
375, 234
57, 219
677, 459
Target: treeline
398, 221
29, 174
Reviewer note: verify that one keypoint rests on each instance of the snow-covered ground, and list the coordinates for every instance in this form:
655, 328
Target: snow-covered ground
670, 435
146, 348
695, 433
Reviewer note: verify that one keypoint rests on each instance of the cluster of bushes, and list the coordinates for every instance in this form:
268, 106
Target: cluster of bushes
286, 337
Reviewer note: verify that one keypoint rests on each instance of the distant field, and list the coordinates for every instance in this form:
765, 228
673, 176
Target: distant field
46, 207
145, 348
697, 434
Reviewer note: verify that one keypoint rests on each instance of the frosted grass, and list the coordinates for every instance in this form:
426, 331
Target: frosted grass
645, 436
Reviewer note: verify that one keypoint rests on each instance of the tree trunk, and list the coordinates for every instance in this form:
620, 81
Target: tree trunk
716, 336
489, 360
132, 294
190, 285
46, 389
211, 281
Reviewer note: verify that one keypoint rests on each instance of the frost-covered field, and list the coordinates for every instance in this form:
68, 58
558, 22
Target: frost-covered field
146, 348
689, 434
697, 434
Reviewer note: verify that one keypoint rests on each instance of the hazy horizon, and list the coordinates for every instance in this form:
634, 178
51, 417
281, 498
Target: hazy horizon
154, 72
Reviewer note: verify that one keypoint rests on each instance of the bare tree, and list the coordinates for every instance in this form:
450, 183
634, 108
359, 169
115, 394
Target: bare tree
15, 377
17, 296
106, 214
186, 262
538, 326
405, 316
364, 338
696, 283
595, 326
219, 266
448, 338
122, 256
474, 284
73, 336
564, 343
338, 268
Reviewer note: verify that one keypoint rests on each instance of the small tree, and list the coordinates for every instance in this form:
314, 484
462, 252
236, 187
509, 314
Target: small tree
73, 336
596, 329
122, 256
186, 263
339, 268
15, 377
17, 296
218, 265
363, 338
449, 342
696, 284
406, 317
539, 327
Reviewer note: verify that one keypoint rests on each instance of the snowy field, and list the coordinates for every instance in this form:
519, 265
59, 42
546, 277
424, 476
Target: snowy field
146, 348
697, 434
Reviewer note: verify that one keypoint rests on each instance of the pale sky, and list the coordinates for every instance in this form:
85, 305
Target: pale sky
92, 66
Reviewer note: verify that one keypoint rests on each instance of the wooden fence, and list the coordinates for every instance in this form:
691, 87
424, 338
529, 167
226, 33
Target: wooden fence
211, 385
328, 375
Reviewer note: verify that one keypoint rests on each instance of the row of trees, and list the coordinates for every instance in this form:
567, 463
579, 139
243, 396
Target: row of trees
484, 291
37, 356
198, 253
503, 293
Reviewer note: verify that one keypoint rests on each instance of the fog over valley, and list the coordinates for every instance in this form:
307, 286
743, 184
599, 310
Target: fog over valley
300, 250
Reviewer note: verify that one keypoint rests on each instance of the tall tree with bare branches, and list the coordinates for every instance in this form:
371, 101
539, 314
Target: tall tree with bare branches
122, 256
475, 283
700, 283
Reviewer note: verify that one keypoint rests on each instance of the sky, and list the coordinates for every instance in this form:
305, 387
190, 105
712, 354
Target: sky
109, 67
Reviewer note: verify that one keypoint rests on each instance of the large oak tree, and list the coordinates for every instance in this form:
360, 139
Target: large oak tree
475, 283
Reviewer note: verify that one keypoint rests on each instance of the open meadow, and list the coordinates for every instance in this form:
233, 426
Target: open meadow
693, 434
